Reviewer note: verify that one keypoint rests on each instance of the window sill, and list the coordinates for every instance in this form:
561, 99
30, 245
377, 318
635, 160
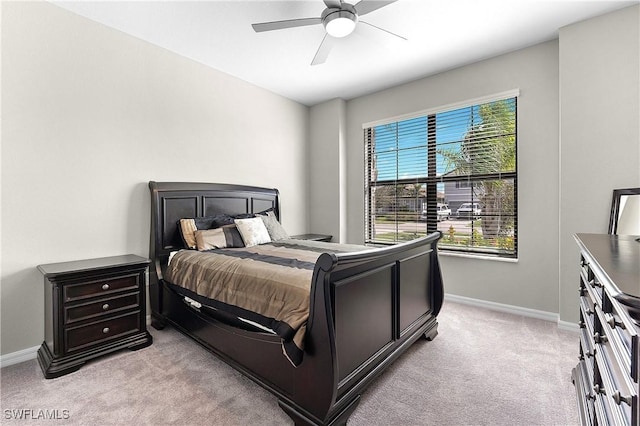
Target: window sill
447, 253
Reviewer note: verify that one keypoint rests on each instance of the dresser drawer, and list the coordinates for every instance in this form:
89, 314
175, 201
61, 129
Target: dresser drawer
587, 312
101, 331
624, 335
100, 287
80, 312
587, 352
585, 397
616, 397
591, 281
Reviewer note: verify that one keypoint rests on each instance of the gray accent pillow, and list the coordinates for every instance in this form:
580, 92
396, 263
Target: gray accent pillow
275, 229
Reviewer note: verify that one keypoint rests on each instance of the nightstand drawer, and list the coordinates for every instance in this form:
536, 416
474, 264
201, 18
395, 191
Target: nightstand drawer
100, 287
101, 331
80, 312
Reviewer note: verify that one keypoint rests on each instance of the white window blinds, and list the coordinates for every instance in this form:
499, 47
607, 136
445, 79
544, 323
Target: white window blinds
454, 171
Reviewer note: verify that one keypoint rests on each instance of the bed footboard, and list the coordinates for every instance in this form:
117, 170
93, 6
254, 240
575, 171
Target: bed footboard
367, 308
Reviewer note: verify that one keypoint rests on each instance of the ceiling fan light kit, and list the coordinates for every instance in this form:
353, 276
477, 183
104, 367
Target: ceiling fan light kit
339, 20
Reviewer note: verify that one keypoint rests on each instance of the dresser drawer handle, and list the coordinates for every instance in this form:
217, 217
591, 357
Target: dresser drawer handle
619, 399
598, 389
105, 286
105, 306
105, 330
600, 339
613, 323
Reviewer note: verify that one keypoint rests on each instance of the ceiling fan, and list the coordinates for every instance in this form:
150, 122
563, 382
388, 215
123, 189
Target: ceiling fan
339, 20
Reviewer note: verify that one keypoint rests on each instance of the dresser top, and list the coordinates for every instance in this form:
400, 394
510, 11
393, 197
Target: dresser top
53, 269
618, 256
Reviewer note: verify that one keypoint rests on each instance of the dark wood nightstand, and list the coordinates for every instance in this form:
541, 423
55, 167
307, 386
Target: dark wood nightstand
313, 237
92, 307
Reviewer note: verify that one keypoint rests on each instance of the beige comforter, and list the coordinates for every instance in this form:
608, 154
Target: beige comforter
272, 280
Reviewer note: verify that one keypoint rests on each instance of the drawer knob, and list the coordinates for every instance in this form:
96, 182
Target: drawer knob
599, 339
105, 330
105, 306
619, 399
613, 323
598, 389
105, 286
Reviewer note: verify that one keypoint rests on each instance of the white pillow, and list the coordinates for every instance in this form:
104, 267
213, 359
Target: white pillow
253, 231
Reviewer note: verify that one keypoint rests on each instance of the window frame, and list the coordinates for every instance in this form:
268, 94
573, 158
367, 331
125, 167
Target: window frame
432, 180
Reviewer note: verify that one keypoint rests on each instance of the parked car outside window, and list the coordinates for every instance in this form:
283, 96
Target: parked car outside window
443, 212
468, 211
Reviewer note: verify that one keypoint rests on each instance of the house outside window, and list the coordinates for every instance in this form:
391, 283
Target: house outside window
452, 170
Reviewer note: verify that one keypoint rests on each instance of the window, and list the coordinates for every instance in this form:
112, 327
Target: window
452, 170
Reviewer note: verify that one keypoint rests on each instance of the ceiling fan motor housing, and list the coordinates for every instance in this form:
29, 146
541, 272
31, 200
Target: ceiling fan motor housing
340, 22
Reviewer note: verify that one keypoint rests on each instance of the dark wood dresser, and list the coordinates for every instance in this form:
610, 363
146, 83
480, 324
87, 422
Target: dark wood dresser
92, 307
606, 378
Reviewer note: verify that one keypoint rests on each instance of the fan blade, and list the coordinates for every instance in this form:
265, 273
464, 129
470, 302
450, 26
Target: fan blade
366, 6
382, 29
333, 3
280, 25
323, 50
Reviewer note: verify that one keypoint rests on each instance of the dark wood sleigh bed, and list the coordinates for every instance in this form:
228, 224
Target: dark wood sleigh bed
366, 308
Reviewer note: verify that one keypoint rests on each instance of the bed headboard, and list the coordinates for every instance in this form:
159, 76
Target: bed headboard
172, 201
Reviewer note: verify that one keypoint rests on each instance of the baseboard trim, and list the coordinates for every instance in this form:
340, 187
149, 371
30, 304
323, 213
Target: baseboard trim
512, 309
19, 356
29, 353
568, 326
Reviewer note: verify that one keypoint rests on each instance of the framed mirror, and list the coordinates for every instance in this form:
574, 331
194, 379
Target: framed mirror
625, 212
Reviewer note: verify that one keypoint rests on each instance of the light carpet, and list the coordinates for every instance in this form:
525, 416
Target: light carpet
484, 368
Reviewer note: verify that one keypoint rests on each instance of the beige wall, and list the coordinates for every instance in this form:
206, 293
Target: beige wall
327, 172
532, 282
89, 116
599, 131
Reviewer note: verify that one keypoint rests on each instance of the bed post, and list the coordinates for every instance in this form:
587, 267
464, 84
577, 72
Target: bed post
155, 271
437, 291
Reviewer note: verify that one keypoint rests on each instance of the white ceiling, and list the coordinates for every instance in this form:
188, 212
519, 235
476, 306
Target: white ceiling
441, 35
